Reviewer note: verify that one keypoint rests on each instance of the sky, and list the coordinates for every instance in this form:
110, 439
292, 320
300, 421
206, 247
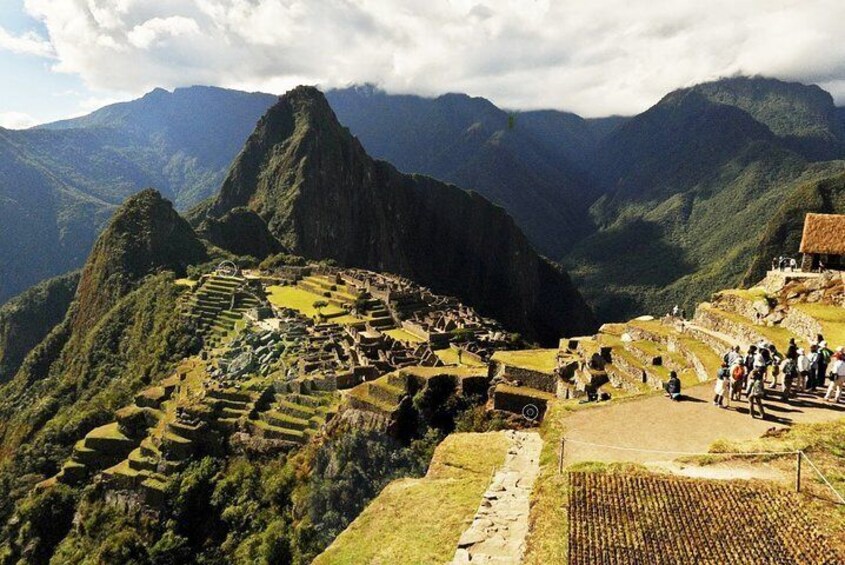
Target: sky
64, 58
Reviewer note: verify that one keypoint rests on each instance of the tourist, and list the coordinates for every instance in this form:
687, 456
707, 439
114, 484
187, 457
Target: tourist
755, 394
673, 386
789, 369
825, 355
802, 365
737, 380
722, 384
732, 355
676, 311
837, 376
814, 379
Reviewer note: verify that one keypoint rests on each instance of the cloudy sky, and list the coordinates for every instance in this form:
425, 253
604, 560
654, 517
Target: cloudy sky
62, 58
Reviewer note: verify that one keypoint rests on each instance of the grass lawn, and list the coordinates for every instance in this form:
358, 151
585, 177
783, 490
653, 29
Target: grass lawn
404, 335
832, 319
752, 294
450, 357
462, 371
419, 521
300, 300
543, 360
190, 283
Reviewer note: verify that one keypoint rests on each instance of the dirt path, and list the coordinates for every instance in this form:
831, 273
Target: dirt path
497, 534
656, 423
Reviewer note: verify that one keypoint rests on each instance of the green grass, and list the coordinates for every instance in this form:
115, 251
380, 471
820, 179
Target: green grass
450, 357
542, 360
109, 431
300, 300
190, 283
404, 335
462, 371
525, 391
419, 521
831, 318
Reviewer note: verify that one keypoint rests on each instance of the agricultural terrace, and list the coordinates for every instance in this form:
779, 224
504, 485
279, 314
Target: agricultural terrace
419, 521
301, 300
543, 360
732, 522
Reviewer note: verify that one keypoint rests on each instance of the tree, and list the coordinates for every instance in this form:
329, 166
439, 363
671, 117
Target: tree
319, 305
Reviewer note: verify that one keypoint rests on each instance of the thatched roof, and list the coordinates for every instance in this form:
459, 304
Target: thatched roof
824, 233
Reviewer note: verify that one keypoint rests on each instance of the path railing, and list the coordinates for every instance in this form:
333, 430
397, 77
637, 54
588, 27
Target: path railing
800, 457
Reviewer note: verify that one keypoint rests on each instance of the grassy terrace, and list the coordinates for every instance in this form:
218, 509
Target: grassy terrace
300, 300
450, 357
462, 371
419, 521
404, 335
190, 283
542, 360
779, 336
831, 318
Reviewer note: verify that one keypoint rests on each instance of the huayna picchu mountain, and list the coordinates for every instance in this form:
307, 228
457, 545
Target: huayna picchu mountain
323, 197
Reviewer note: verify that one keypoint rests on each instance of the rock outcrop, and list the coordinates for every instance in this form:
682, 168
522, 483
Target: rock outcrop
323, 197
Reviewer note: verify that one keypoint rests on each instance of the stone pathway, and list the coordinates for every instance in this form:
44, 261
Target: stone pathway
497, 534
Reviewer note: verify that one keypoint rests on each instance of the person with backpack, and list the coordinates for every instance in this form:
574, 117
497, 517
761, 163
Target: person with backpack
789, 369
755, 394
673, 386
722, 386
775, 360
825, 355
813, 380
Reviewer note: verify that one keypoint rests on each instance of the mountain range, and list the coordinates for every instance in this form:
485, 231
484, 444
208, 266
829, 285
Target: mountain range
645, 212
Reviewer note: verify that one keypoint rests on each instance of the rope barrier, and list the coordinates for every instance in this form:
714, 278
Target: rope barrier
802, 455
666, 452
823, 478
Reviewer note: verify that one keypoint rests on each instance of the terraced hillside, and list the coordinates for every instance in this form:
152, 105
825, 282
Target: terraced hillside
639, 439
417, 521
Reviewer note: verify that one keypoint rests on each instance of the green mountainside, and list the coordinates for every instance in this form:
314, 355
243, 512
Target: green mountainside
691, 185
28, 318
525, 162
59, 183
323, 197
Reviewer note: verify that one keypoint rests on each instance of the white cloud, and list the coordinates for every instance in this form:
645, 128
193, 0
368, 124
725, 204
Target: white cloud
29, 43
16, 120
596, 58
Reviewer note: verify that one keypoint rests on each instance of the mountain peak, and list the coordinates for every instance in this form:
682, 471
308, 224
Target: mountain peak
323, 197
144, 236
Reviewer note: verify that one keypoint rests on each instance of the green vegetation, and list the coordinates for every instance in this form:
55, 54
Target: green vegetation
543, 360
419, 521
27, 319
450, 357
403, 335
831, 318
301, 300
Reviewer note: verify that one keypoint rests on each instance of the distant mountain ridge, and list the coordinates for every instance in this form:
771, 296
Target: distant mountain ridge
59, 183
323, 197
527, 162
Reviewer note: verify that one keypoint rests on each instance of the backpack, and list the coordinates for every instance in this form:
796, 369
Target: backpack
825, 355
738, 373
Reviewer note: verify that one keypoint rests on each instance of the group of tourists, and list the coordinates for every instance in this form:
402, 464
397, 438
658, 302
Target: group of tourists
784, 263
763, 367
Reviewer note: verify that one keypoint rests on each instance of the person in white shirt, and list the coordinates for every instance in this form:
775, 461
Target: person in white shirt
803, 366
837, 376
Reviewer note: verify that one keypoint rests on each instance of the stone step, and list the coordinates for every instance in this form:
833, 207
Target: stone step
386, 392
284, 421
295, 410
268, 431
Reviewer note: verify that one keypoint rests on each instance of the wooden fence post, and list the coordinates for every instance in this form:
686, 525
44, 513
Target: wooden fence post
560, 457
798, 471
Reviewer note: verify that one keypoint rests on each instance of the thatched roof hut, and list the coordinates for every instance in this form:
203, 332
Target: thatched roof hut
824, 234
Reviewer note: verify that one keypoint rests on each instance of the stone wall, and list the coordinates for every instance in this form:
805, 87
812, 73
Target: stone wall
801, 324
547, 382
515, 402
